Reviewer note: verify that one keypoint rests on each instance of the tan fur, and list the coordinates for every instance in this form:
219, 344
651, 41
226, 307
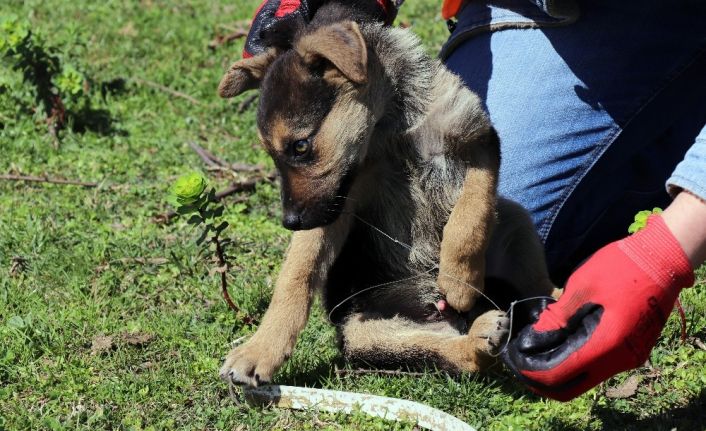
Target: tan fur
347, 122
435, 343
342, 44
307, 184
280, 132
308, 258
245, 74
466, 235
451, 120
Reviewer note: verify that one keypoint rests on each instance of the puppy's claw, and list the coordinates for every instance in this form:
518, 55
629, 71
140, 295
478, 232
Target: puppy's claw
249, 365
237, 379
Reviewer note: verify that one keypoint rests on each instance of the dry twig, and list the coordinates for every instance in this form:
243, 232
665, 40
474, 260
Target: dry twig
167, 90
207, 156
141, 260
245, 104
215, 163
223, 270
34, 179
134, 261
242, 186
228, 38
362, 372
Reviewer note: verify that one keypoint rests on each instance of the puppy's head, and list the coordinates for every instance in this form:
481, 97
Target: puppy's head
314, 118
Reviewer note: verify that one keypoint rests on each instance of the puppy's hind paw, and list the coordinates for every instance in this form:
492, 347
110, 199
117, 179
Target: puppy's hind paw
489, 331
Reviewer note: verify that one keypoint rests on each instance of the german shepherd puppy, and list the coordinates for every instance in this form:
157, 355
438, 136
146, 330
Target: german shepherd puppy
388, 170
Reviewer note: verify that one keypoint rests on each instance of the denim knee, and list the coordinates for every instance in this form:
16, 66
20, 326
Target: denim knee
591, 122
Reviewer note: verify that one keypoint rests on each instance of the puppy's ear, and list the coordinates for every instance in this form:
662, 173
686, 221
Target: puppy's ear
342, 45
246, 74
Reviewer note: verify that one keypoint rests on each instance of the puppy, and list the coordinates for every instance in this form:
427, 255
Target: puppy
388, 170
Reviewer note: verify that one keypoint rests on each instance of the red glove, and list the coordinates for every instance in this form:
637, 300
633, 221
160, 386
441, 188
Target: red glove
273, 12
609, 318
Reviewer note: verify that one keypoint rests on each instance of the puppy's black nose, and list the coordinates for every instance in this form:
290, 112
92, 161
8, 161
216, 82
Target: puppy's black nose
291, 220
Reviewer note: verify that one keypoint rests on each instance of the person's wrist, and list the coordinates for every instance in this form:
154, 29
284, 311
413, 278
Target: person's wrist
686, 219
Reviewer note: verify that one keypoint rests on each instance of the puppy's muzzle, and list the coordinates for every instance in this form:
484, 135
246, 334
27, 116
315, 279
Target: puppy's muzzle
292, 220
310, 217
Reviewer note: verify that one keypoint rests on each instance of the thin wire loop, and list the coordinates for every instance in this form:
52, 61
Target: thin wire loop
510, 312
421, 274
395, 240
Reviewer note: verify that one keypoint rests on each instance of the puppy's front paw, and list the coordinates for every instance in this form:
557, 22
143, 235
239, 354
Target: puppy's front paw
251, 364
460, 293
489, 331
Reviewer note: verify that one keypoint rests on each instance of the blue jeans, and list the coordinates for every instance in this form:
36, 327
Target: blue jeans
593, 115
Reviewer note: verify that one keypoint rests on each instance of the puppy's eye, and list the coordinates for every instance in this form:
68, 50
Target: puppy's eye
301, 147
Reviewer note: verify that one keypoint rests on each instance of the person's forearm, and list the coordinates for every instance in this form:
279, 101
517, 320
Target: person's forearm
686, 219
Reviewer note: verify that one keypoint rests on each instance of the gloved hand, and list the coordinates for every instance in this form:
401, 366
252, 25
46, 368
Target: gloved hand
272, 12
609, 318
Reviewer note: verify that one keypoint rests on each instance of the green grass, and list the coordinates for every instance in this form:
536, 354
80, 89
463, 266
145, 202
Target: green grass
73, 288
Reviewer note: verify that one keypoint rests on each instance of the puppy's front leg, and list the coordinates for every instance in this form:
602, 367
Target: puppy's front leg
468, 230
310, 255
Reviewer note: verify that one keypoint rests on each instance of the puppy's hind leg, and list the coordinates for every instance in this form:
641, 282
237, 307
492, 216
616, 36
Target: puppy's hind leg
516, 253
516, 257
398, 342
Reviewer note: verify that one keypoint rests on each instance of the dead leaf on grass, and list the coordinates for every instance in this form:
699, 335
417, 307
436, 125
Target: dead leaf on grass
137, 339
653, 374
18, 265
626, 389
101, 344
128, 30
696, 341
